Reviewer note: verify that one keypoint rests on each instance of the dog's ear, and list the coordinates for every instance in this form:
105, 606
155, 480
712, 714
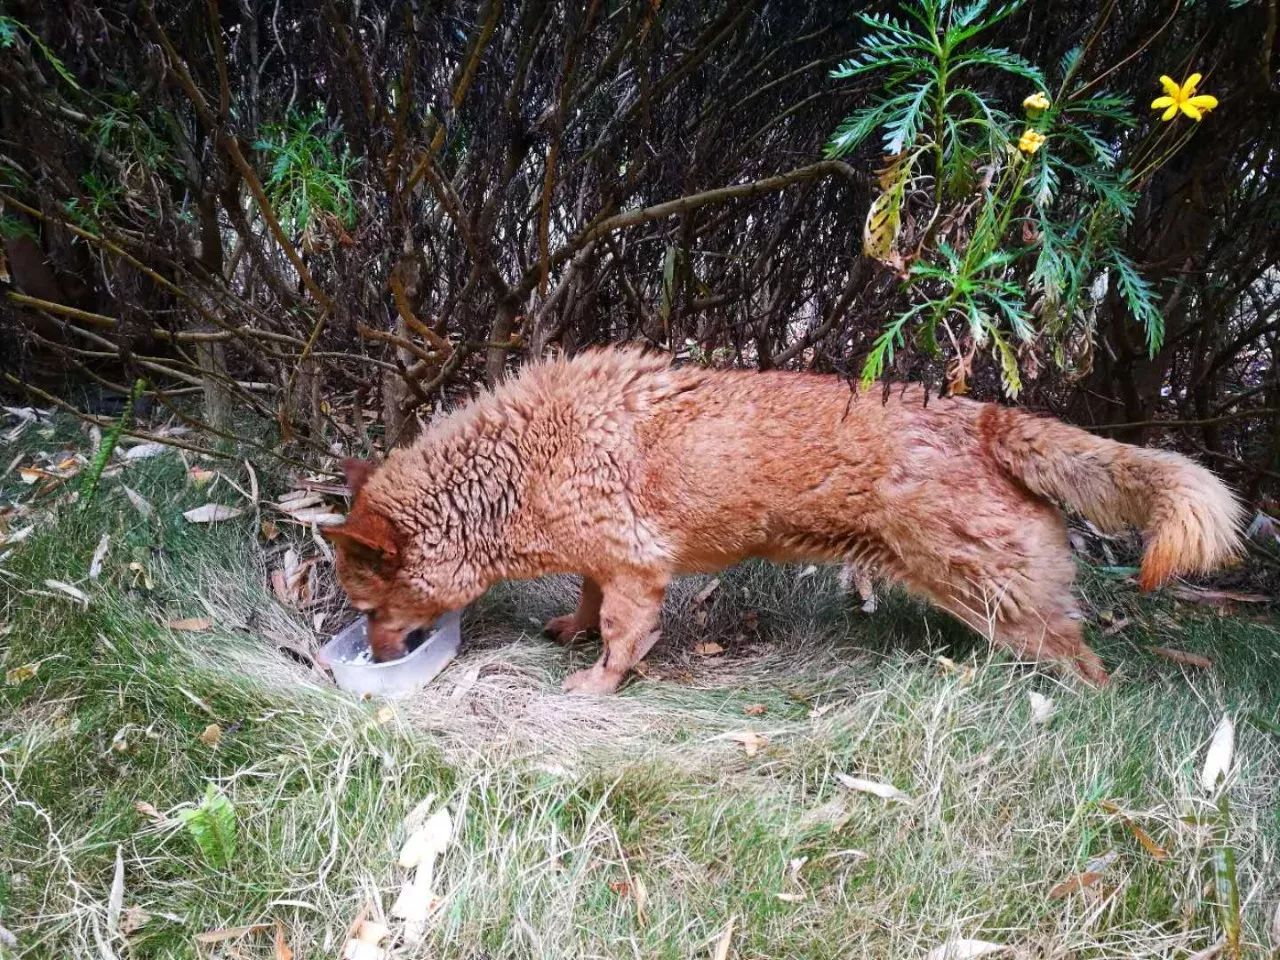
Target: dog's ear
366, 534
357, 473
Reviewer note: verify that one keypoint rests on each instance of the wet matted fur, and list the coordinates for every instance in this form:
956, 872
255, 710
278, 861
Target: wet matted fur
617, 466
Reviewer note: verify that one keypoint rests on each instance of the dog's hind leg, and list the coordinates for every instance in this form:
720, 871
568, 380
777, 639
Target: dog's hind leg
629, 611
585, 619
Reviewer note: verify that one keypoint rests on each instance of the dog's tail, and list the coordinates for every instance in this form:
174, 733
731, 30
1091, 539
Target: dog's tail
1190, 521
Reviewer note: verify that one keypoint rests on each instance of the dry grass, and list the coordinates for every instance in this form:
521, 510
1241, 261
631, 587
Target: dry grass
567, 807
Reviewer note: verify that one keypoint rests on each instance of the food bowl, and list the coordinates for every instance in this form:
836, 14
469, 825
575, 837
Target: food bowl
349, 657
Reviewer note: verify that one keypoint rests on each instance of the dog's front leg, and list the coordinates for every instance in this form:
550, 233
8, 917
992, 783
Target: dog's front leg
585, 619
631, 605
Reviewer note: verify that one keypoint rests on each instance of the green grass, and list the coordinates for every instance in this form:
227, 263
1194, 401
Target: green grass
565, 807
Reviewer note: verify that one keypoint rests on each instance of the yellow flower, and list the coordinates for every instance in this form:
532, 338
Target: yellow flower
1183, 98
1037, 102
1030, 141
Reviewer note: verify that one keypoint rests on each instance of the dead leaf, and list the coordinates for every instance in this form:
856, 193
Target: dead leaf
211, 735
133, 919
702, 595
884, 791
99, 555
321, 516
191, 624
1184, 591
270, 530
1042, 708
144, 451
223, 934
640, 894
75, 593
384, 715
1073, 884
115, 900
751, 741
790, 897
30, 475
212, 513
966, 950
1183, 657
621, 888
1217, 759
200, 476
141, 575
1157, 852
707, 648
755, 709
17, 675
138, 500
150, 812
283, 950
725, 942
807, 572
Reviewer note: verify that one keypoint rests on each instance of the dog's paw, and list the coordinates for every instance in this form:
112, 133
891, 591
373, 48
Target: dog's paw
592, 681
565, 630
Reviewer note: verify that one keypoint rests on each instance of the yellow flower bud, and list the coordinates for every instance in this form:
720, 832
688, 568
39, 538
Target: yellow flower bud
1037, 102
1030, 141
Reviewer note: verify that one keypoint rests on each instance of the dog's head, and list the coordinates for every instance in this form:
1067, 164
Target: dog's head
388, 572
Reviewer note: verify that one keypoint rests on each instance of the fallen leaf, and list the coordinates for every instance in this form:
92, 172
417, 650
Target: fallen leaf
384, 715
751, 741
133, 919
115, 900
884, 791
707, 648
145, 450
30, 475
138, 500
702, 595
141, 574
1217, 760
1073, 884
270, 530
17, 675
283, 950
150, 812
99, 555
1157, 852
754, 709
1183, 657
200, 477
74, 593
725, 942
1184, 591
640, 894
966, 950
212, 513
211, 735
1042, 708
790, 897
1116, 627
429, 840
808, 571
191, 624
621, 888
230, 933
321, 516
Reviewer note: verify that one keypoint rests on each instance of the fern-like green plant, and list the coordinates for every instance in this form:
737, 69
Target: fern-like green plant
309, 173
93, 476
1001, 223
213, 827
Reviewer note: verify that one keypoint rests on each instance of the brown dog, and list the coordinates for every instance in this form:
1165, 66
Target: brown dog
616, 466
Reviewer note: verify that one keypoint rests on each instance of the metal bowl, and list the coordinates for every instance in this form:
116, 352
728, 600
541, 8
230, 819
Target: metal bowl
349, 657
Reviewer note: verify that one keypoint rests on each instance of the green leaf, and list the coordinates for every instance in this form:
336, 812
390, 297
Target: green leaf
213, 826
1139, 295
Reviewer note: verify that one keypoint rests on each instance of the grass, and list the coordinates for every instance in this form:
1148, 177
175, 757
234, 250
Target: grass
633, 826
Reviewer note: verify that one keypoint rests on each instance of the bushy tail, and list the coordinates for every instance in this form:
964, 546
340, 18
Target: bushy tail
1189, 519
